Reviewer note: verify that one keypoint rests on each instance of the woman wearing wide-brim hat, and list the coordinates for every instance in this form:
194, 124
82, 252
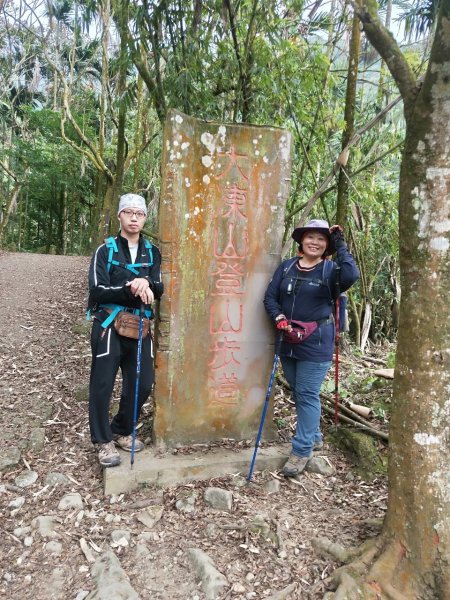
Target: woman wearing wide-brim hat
302, 290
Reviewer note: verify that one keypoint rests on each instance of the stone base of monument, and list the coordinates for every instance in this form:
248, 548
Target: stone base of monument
150, 468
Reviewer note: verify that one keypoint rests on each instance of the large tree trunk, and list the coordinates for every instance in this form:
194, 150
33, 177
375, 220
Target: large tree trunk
411, 559
10, 208
419, 475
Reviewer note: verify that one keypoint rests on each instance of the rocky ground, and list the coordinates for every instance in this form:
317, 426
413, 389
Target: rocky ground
62, 539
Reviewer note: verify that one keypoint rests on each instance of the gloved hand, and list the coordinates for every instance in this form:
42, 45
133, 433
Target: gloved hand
337, 237
282, 323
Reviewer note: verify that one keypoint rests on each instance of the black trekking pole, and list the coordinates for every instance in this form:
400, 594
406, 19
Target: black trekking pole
266, 404
336, 342
138, 375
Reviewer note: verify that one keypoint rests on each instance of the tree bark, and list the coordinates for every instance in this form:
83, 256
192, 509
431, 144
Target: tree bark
349, 116
414, 558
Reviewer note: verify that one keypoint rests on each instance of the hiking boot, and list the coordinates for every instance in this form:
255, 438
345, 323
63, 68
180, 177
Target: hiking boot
318, 446
125, 442
107, 455
295, 465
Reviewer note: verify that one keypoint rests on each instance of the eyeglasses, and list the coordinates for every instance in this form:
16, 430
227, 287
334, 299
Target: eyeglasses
140, 214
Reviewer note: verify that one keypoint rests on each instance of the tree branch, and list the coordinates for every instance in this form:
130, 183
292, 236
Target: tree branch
91, 152
340, 161
382, 40
10, 173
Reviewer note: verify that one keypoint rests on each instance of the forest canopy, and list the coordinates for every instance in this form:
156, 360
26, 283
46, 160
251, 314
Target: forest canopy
85, 87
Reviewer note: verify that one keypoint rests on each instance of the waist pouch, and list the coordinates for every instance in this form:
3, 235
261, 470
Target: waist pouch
301, 330
127, 325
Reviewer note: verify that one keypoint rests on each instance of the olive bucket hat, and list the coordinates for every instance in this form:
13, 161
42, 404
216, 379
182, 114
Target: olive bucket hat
319, 225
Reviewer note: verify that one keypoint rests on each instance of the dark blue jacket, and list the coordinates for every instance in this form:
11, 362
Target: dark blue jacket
309, 297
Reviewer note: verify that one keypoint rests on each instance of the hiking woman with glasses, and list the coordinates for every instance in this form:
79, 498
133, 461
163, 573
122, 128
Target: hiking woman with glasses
125, 272
302, 289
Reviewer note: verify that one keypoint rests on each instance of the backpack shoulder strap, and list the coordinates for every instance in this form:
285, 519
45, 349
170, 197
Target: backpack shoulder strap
326, 277
111, 244
289, 265
150, 252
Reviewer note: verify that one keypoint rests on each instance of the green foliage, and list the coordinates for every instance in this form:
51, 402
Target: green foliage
391, 358
281, 64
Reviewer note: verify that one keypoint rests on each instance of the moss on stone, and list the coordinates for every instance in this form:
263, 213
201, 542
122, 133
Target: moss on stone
362, 450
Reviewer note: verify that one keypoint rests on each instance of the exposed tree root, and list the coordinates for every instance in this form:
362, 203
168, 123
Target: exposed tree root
372, 572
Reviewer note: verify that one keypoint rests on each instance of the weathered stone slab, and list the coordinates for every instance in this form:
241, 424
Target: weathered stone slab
150, 468
221, 220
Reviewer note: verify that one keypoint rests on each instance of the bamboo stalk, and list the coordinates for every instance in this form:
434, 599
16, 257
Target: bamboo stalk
371, 430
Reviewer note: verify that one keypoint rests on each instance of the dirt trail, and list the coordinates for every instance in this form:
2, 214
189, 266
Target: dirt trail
44, 369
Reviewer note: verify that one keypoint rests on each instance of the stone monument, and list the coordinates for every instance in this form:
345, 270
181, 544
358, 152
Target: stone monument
224, 189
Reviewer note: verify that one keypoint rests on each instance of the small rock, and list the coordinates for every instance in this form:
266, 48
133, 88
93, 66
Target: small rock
27, 579
218, 498
121, 534
272, 486
21, 531
26, 478
3, 489
186, 503
54, 478
319, 465
238, 588
213, 582
117, 519
7, 576
81, 595
53, 547
45, 524
69, 501
9, 458
212, 531
37, 439
150, 516
141, 551
114, 498
109, 517
239, 481
250, 577
28, 541
17, 502
110, 579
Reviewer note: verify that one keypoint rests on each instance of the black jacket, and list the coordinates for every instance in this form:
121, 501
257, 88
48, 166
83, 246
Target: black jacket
109, 287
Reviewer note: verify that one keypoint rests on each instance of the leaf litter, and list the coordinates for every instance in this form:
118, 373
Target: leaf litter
262, 546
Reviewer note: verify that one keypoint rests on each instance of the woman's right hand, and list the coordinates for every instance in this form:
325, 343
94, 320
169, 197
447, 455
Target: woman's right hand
283, 324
